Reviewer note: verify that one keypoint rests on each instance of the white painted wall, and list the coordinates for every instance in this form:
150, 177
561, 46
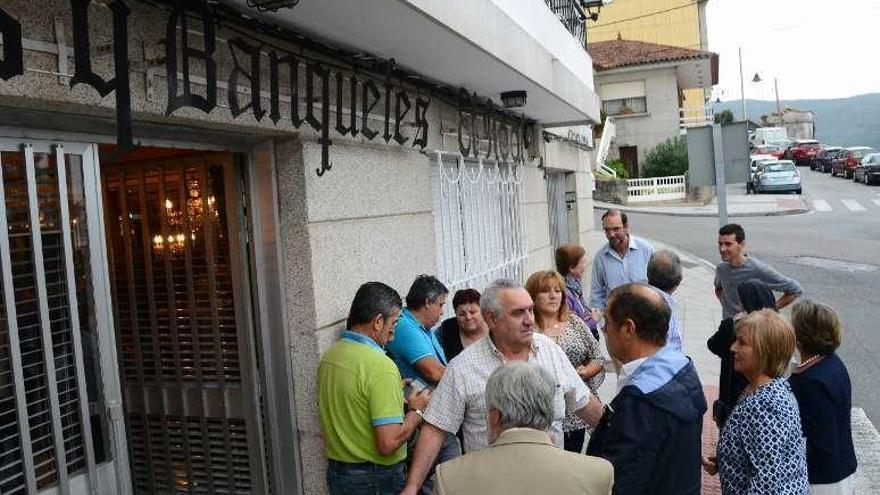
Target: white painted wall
661, 121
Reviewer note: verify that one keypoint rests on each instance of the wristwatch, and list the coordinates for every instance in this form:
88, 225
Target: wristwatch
419, 412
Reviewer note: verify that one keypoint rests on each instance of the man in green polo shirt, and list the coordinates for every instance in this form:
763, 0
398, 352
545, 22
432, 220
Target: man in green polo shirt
360, 400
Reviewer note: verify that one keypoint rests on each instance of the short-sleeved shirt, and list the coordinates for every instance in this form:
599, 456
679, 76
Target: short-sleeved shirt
728, 278
412, 342
674, 334
359, 388
610, 270
460, 398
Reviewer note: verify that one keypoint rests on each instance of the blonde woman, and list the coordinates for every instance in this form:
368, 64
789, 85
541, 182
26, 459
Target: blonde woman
761, 449
553, 319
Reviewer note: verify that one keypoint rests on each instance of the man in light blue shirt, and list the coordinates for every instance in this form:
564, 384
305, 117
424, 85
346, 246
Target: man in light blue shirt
623, 260
664, 274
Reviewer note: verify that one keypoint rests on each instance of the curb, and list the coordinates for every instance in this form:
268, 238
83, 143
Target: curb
775, 213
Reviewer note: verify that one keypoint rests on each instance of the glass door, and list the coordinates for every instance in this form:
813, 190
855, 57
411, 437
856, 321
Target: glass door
58, 374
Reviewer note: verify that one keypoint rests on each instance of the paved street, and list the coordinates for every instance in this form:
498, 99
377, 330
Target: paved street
833, 252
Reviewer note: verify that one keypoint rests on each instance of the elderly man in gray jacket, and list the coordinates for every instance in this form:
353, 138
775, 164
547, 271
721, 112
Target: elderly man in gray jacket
522, 457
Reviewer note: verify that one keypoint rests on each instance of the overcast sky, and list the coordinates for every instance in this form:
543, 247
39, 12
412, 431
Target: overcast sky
817, 49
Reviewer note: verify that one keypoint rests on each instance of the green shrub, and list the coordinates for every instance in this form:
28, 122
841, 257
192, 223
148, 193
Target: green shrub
668, 158
619, 167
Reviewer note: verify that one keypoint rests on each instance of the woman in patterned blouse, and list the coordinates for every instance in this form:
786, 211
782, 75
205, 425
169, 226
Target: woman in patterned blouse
553, 319
761, 449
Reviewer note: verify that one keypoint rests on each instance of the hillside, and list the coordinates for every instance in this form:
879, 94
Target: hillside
853, 121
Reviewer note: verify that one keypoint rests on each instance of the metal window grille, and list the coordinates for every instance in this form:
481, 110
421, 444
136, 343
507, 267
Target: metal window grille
46, 436
478, 221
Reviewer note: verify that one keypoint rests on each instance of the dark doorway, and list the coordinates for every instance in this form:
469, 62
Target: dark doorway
629, 155
184, 356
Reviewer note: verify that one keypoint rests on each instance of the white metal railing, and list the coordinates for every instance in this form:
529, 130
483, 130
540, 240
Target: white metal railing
695, 117
609, 135
656, 189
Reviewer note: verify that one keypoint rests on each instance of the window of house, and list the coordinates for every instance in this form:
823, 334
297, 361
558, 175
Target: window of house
625, 106
478, 221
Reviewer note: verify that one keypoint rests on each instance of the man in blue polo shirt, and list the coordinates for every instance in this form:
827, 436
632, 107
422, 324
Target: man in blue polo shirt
360, 400
417, 351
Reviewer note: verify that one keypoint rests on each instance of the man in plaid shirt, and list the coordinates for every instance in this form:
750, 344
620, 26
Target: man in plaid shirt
459, 400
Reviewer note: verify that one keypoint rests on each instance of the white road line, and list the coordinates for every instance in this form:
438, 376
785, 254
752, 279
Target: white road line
821, 205
876, 201
866, 441
852, 204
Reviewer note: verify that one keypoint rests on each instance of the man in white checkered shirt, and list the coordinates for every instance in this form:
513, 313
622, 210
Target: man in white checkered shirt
459, 400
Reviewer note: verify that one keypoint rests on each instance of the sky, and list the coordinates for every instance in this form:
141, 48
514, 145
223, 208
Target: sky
816, 49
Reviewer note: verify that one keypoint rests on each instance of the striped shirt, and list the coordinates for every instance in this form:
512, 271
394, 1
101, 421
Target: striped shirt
460, 398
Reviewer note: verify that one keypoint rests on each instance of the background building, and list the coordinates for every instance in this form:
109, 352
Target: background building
665, 22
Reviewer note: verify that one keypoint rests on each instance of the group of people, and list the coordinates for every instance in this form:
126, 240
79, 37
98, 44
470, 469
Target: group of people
503, 397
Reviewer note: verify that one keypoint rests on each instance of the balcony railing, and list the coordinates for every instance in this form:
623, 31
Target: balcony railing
695, 117
571, 14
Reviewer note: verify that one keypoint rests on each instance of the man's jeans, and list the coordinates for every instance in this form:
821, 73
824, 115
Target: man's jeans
365, 478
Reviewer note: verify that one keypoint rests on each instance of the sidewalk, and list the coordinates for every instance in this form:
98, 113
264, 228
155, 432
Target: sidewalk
700, 314
739, 204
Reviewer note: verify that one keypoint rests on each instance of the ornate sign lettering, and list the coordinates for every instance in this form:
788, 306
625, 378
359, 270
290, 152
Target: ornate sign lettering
421, 137
83, 73
188, 98
370, 91
253, 52
13, 58
178, 57
292, 64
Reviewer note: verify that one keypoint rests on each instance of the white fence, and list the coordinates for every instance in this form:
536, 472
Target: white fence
656, 189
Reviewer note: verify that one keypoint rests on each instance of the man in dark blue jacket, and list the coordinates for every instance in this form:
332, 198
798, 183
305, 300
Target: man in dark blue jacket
651, 431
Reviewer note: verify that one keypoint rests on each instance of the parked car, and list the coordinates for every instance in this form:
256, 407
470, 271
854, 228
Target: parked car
802, 151
754, 161
849, 158
777, 176
868, 170
769, 149
822, 160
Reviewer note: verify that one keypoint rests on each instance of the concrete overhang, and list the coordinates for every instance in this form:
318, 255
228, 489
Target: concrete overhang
485, 46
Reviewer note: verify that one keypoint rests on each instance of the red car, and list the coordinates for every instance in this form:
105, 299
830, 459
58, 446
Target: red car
849, 158
768, 149
802, 151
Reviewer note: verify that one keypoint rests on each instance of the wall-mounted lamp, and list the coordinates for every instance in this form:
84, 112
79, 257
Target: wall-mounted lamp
513, 99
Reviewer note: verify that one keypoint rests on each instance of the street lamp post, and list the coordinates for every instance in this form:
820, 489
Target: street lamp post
742, 86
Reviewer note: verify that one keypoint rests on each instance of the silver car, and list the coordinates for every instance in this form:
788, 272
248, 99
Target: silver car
778, 176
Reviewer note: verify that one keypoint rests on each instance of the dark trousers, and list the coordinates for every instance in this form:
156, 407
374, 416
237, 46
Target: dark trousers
365, 478
574, 440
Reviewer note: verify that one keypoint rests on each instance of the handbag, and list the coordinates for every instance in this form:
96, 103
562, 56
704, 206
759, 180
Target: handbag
721, 409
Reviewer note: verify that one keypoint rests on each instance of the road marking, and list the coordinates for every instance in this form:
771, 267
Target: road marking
821, 205
866, 441
876, 201
852, 204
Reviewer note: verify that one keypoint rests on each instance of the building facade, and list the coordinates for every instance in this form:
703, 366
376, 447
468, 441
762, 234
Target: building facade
640, 85
663, 22
193, 191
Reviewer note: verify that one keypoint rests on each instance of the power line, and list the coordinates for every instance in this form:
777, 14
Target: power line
619, 21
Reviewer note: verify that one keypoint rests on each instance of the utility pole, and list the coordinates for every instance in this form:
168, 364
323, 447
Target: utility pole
778, 110
742, 86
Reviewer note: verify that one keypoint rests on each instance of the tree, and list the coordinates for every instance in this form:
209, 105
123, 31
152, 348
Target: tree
668, 158
724, 117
